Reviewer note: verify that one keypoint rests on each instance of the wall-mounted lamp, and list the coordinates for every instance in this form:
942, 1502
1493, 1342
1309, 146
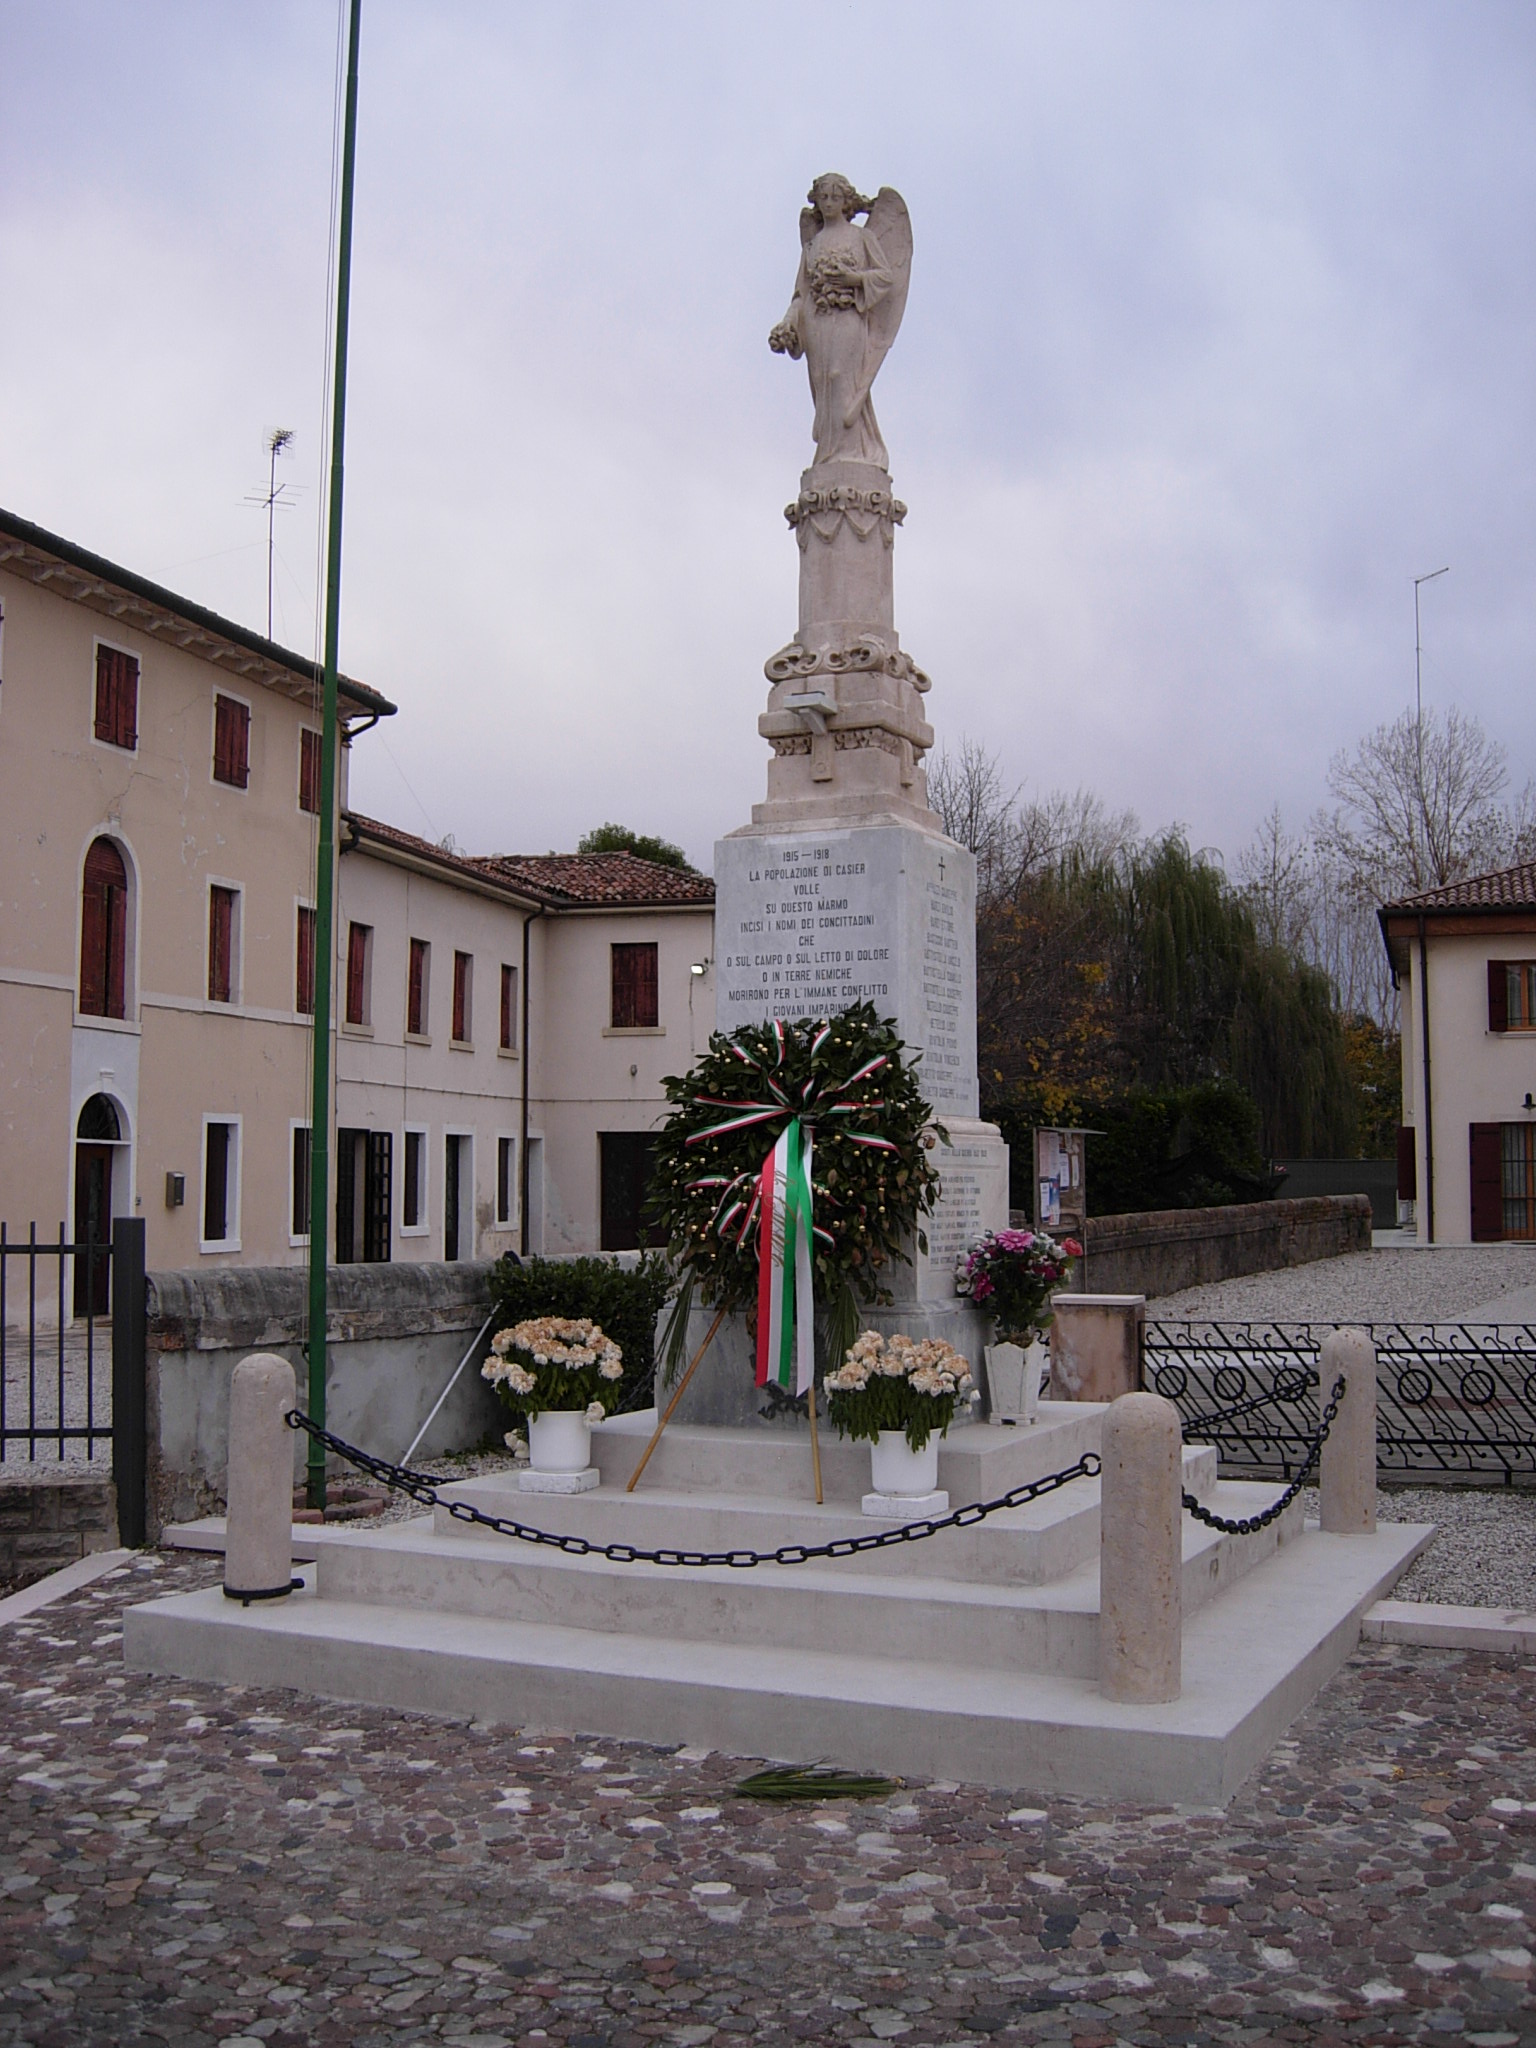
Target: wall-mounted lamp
1530, 1100
701, 967
175, 1190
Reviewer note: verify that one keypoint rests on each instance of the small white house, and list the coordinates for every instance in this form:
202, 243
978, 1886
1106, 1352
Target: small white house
1464, 960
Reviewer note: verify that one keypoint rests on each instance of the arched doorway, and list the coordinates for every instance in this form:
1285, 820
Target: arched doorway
98, 1138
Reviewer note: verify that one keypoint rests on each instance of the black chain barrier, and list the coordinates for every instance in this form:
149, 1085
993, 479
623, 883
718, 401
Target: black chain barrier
421, 1488
1251, 1523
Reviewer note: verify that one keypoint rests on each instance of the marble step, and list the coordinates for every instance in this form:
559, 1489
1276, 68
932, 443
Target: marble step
1251, 1662
1029, 1545
977, 1461
986, 1625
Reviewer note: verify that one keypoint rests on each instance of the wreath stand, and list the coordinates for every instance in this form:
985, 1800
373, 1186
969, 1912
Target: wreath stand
682, 1388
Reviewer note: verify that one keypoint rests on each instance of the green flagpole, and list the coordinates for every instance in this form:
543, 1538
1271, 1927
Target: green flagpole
325, 871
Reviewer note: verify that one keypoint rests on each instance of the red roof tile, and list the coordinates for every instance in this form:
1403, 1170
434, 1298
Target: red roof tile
560, 881
1505, 889
602, 880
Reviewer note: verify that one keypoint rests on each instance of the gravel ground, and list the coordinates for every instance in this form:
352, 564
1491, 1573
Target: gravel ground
1397, 1285
1484, 1552
215, 1868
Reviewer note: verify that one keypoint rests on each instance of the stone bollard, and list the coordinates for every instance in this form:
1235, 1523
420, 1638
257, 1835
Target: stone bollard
1141, 1551
1096, 1344
258, 1544
1348, 1473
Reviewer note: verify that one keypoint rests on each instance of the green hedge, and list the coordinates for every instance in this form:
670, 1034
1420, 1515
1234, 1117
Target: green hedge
626, 1304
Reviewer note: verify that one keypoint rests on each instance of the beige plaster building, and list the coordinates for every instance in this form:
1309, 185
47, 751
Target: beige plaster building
158, 811
1464, 958
502, 1023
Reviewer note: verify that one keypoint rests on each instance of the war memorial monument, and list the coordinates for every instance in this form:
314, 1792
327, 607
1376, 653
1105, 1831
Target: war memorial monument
1131, 1626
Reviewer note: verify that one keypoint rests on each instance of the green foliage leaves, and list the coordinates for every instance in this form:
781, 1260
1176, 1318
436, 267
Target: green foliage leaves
612, 838
867, 1200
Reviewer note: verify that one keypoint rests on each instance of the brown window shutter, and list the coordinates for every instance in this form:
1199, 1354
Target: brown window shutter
104, 932
415, 1022
309, 771
106, 695
242, 745
634, 988
221, 921
357, 966
461, 997
304, 985
1407, 1164
1487, 1183
1498, 995
508, 1008
231, 742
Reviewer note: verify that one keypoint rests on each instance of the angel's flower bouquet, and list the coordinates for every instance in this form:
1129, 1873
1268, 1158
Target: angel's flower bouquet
554, 1362
1010, 1276
908, 1383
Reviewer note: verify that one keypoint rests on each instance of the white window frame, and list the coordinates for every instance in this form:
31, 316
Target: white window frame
231, 1243
423, 1227
467, 1135
296, 1123
510, 1220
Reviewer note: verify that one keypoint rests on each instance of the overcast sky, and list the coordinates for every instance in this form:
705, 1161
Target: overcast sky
1220, 331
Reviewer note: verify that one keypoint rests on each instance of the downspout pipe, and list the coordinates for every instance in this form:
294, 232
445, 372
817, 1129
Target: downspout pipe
522, 1154
1429, 1108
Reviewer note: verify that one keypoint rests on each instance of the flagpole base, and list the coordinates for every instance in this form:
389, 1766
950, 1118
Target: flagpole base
906, 1507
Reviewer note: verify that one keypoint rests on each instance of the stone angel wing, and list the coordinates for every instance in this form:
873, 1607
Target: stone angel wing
891, 225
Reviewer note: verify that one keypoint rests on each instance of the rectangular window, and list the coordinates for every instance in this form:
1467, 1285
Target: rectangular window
304, 965
463, 990
220, 1165
506, 1179
359, 973
457, 1192
223, 942
417, 1010
634, 988
413, 1195
363, 1184
117, 698
628, 1160
298, 1204
1520, 995
309, 771
1519, 1180
508, 1008
231, 742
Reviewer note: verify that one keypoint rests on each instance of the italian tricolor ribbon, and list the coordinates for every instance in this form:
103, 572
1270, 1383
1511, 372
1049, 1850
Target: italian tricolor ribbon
786, 1349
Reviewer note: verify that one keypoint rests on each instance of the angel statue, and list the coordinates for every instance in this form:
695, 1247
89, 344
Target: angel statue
850, 293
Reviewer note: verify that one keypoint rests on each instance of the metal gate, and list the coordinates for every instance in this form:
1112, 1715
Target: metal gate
72, 1386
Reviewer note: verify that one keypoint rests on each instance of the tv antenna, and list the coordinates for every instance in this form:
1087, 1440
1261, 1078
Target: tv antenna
278, 442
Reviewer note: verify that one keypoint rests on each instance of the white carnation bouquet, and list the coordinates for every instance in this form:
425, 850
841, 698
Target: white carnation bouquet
554, 1362
913, 1384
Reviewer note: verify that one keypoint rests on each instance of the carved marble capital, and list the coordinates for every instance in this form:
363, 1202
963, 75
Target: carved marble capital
866, 653
822, 513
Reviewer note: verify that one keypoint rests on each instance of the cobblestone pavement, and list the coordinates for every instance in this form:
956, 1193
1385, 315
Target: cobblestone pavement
195, 1865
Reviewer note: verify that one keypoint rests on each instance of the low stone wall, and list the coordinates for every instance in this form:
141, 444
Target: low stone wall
1169, 1249
45, 1523
395, 1335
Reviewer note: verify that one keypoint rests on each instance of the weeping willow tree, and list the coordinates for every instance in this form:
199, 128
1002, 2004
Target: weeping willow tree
1144, 971
1288, 1049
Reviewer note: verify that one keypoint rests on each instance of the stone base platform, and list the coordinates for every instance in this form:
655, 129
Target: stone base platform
971, 1655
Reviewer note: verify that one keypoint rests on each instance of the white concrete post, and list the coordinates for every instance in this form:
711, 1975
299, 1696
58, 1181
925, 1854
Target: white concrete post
258, 1544
1348, 1474
1141, 1551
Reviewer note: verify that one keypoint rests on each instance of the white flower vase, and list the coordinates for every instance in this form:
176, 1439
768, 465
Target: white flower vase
906, 1482
1014, 1374
559, 1453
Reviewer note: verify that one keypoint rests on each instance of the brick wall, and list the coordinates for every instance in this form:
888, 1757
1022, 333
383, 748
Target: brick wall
1167, 1249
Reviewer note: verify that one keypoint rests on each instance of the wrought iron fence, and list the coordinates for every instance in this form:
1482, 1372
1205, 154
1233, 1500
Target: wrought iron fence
72, 1337
1453, 1400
